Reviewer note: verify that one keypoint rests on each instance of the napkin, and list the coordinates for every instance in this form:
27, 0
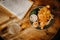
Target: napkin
19, 7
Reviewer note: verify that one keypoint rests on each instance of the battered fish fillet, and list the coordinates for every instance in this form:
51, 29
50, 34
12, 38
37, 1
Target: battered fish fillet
44, 16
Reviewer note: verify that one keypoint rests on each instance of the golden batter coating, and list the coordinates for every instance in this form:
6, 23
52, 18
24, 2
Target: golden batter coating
44, 16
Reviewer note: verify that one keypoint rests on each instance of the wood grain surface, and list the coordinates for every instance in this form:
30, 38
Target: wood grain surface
30, 33
46, 34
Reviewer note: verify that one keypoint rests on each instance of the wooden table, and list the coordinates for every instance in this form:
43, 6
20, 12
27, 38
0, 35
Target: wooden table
46, 34
31, 33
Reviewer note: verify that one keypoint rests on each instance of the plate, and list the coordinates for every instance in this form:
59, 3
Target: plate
34, 17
